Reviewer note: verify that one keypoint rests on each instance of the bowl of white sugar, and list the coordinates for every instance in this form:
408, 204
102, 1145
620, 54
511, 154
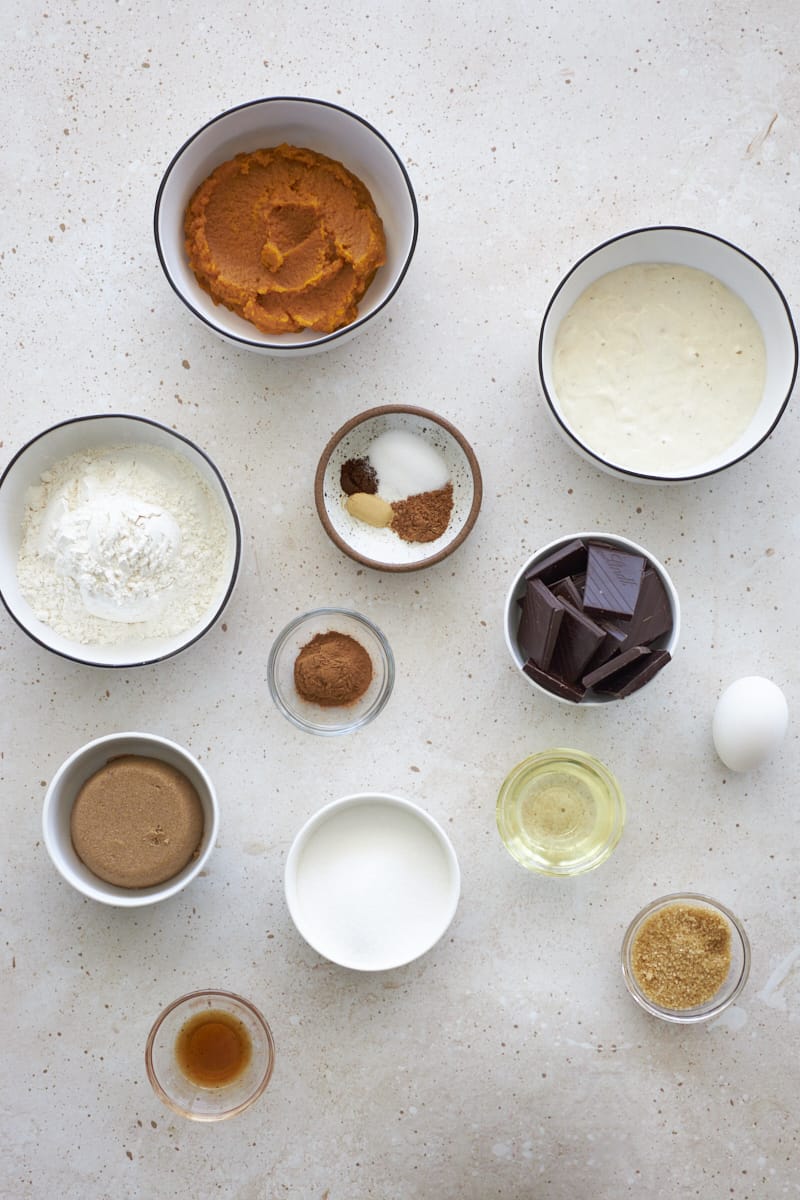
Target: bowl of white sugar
120, 540
372, 881
398, 488
667, 354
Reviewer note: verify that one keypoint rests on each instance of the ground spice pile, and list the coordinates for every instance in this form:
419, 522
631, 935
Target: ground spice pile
681, 955
358, 475
332, 670
425, 517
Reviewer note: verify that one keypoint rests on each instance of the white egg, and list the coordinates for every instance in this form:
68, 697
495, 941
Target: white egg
749, 723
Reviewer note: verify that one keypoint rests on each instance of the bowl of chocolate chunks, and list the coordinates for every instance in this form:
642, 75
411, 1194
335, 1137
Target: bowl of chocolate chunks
591, 618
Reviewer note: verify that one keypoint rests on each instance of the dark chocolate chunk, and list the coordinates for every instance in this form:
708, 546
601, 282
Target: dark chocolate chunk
567, 589
609, 668
540, 622
634, 676
577, 643
614, 640
653, 615
566, 561
613, 581
552, 683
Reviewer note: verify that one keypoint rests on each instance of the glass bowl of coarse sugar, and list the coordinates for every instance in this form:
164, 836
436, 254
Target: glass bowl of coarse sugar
120, 542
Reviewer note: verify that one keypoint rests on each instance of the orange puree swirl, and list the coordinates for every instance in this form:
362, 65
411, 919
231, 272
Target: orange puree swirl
286, 237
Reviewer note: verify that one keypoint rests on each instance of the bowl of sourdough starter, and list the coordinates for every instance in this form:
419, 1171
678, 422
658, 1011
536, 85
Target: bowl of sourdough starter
667, 354
119, 540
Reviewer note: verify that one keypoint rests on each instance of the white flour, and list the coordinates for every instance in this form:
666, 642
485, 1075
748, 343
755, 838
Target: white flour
121, 543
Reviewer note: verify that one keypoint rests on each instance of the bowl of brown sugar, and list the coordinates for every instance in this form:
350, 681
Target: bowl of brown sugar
130, 819
685, 958
330, 671
398, 488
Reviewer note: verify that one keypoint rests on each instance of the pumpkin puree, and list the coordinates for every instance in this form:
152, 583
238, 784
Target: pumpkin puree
286, 237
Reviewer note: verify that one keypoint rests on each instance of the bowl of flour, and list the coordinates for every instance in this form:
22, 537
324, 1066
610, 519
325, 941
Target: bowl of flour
121, 542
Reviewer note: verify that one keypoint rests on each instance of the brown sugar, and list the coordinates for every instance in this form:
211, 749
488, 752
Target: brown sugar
136, 822
681, 955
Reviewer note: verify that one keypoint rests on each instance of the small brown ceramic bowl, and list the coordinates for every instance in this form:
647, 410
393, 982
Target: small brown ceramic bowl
383, 549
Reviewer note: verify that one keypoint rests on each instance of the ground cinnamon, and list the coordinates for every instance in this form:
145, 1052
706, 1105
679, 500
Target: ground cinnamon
332, 670
425, 517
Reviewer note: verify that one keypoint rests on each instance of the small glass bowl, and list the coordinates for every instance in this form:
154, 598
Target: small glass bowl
315, 718
737, 973
560, 812
191, 1100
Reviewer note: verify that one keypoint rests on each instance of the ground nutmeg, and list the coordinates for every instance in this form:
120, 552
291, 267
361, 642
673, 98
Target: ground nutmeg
332, 670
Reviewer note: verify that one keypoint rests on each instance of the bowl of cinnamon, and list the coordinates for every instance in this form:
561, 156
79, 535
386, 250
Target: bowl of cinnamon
398, 488
330, 671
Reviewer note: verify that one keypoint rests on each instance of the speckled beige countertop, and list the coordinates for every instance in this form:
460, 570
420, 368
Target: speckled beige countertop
510, 1061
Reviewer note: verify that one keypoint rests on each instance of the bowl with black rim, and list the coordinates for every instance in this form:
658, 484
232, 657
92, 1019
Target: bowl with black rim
127, 645
728, 265
313, 124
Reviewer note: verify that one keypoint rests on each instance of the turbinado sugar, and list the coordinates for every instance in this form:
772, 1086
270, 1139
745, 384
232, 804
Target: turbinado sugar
681, 955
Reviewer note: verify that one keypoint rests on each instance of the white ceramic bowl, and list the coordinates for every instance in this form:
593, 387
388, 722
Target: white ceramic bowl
58, 443
739, 272
517, 590
382, 549
372, 881
67, 782
299, 121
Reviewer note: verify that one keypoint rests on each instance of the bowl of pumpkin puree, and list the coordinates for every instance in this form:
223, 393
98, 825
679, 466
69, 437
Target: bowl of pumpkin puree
286, 224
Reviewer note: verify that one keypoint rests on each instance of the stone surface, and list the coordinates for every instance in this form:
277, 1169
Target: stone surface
509, 1062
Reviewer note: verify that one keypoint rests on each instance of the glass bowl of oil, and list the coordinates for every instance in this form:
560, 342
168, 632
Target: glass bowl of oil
209, 1055
560, 812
